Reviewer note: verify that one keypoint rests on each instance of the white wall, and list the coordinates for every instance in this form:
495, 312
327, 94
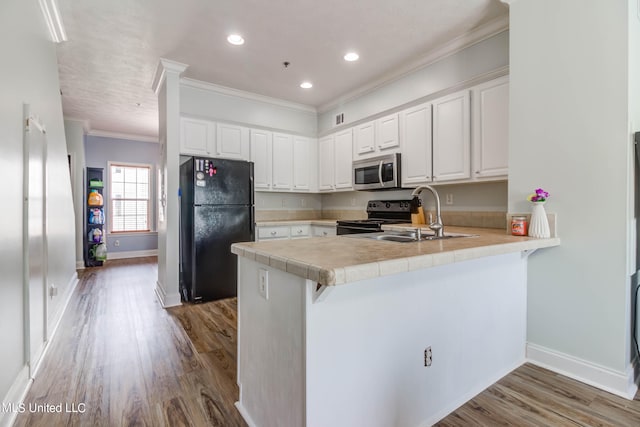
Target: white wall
634, 120
260, 111
74, 132
29, 74
483, 57
569, 134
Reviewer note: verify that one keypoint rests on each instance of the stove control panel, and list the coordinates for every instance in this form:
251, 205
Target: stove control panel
389, 206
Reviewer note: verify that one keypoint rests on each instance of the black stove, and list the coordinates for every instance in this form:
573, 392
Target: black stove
379, 212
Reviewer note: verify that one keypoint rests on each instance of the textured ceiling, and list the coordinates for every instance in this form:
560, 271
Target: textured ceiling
108, 64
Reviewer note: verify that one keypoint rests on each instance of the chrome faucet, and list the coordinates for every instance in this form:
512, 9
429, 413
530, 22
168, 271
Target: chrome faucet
437, 227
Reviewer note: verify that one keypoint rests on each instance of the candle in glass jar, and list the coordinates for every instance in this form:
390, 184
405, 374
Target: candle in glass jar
519, 226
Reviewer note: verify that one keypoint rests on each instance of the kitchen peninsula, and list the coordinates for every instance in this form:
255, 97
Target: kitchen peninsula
346, 331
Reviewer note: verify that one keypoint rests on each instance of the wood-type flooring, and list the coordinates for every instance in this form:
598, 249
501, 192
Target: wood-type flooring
130, 362
123, 360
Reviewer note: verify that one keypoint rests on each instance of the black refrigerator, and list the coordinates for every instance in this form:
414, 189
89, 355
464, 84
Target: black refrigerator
216, 210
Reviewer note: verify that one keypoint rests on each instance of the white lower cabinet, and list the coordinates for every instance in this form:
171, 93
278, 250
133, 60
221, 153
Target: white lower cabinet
323, 230
273, 233
298, 231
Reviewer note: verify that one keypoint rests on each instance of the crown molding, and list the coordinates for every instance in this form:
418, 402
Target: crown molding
452, 47
53, 19
164, 66
127, 136
224, 90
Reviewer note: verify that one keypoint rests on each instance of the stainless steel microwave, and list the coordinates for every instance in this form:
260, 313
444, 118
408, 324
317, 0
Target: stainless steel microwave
377, 173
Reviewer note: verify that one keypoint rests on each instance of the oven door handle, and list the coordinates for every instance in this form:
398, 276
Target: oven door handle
380, 173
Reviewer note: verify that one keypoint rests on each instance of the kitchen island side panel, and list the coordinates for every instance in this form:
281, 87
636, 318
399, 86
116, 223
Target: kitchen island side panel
270, 347
366, 342
354, 353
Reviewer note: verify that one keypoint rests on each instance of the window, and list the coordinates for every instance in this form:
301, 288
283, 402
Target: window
129, 201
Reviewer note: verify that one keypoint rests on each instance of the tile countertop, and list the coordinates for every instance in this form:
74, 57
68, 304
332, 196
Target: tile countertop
285, 222
341, 259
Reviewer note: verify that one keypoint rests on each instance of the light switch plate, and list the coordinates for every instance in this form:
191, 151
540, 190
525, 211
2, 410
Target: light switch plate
263, 283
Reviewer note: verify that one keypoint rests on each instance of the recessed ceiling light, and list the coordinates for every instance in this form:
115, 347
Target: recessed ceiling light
351, 56
235, 39
306, 85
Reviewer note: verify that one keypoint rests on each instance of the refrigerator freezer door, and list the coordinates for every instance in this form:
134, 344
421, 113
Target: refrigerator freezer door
215, 267
223, 182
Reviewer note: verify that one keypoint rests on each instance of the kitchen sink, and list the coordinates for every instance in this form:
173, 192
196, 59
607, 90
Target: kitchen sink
406, 236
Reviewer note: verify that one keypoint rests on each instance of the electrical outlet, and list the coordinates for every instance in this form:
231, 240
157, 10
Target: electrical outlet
449, 199
284, 203
303, 202
116, 243
428, 356
263, 283
353, 201
53, 290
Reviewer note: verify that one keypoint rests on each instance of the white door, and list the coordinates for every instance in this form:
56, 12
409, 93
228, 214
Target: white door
35, 239
261, 158
282, 169
451, 137
491, 128
416, 145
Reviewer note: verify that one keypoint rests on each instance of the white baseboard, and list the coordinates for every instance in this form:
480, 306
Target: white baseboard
167, 300
132, 254
22, 383
245, 415
622, 384
15, 396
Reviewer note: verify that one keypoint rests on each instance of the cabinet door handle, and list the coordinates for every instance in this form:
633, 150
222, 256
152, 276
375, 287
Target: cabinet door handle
273, 233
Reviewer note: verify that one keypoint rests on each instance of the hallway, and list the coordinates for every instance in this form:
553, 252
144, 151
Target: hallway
118, 358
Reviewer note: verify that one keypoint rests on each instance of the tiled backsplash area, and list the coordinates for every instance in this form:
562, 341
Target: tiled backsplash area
473, 205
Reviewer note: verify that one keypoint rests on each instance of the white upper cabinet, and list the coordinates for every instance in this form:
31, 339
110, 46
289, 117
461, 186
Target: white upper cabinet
376, 137
491, 128
304, 163
197, 137
452, 137
282, 165
415, 134
326, 163
232, 142
387, 132
261, 148
364, 138
343, 160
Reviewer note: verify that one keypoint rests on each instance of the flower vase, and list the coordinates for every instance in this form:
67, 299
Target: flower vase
539, 224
